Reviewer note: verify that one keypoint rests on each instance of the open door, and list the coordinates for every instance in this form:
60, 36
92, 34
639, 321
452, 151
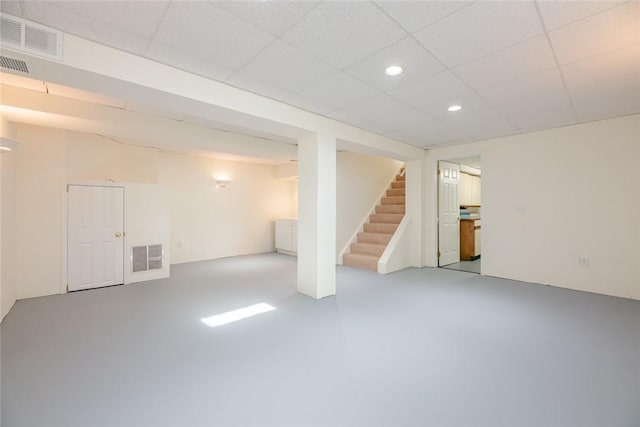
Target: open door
448, 213
95, 237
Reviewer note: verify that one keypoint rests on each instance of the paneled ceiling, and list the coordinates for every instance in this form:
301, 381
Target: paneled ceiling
514, 66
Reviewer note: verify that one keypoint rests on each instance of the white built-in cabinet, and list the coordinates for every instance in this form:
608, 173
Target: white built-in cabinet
287, 235
469, 190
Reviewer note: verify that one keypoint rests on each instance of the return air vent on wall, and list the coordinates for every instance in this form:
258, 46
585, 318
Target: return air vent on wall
146, 258
25, 36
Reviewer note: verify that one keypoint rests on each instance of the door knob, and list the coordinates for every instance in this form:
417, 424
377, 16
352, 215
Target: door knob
118, 234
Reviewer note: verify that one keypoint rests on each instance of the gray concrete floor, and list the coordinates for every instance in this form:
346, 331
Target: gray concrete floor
468, 266
420, 347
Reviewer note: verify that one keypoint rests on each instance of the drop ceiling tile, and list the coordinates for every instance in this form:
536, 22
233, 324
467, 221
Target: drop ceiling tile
546, 84
442, 87
343, 33
480, 29
11, 7
187, 62
618, 67
209, 32
536, 117
559, 13
137, 17
259, 87
414, 59
415, 15
607, 85
370, 109
528, 57
52, 15
309, 105
607, 31
287, 67
339, 91
273, 16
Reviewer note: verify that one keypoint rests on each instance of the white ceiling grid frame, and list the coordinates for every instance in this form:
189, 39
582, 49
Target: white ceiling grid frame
416, 15
479, 30
606, 85
187, 62
286, 67
72, 22
339, 90
416, 61
514, 62
612, 29
370, 109
210, 32
342, 33
275, 17
560, 13
136, 17
459, 89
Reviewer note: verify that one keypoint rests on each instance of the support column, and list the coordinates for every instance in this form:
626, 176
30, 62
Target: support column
317, 216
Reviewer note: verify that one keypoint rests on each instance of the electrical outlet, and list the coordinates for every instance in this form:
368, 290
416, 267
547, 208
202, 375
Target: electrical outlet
583, 261
179, 244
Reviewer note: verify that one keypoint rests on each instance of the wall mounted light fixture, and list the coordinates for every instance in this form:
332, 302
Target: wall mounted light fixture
223, 183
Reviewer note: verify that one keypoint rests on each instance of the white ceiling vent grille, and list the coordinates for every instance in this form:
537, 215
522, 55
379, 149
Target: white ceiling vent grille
13, 64
25, 36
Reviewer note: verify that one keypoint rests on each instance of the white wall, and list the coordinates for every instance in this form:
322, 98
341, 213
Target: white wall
550, 197
206, 222
360, 182
209, 222
8, 291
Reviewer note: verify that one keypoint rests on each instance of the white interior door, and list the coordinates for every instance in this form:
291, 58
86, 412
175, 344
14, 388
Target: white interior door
448, 214
95, 242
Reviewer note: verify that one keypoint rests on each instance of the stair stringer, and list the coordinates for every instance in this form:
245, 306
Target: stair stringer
365, 220
397, 254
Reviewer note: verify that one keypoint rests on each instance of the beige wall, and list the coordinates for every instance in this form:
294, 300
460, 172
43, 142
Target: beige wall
206, 222
8, 279
550, 197
209, 222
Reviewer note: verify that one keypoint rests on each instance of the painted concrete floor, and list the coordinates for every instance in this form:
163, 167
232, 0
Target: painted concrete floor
420, 347
468, 266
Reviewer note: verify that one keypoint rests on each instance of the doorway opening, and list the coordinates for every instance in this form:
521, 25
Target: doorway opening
460, 214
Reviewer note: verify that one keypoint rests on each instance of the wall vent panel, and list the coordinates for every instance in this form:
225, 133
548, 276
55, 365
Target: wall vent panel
147, 258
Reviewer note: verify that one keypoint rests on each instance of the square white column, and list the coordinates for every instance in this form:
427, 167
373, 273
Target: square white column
317, 216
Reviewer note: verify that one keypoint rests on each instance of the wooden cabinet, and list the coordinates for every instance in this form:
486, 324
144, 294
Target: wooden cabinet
287, 236
470, 239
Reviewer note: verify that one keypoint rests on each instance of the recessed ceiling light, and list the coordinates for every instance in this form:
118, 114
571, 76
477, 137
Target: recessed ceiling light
393, 70
455, 108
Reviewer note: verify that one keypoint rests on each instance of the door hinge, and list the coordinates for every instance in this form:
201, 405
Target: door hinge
67, 188
438, 254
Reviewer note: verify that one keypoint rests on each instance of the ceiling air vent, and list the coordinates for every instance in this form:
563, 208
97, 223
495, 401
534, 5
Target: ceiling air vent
13, 64
25, 36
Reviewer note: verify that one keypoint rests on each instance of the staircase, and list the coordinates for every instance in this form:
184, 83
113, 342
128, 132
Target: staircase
370, 244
